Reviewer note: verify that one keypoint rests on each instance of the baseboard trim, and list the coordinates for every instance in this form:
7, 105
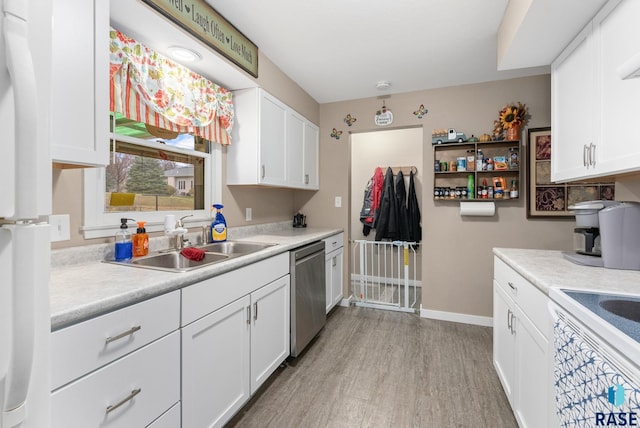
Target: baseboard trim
456, 317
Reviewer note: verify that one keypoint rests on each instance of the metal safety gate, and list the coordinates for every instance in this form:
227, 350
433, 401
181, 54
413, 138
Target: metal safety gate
384, 275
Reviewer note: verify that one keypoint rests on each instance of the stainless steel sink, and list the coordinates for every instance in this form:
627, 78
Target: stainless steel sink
629, 309
235, 248
174, 261
217, 252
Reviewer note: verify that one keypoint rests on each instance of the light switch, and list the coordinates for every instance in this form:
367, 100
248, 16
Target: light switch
248, 214
60, 228
338, 202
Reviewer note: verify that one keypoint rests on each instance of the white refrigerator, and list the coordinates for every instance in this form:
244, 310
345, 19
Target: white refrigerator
25, 202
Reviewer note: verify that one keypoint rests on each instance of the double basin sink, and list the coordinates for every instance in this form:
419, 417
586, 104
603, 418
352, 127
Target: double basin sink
216, 252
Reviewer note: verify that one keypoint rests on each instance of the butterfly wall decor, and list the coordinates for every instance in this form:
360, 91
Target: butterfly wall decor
336, 134
349, 120
421, 111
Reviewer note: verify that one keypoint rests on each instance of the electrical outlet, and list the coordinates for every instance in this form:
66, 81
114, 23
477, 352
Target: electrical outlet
338, 202
60, 228
248, 214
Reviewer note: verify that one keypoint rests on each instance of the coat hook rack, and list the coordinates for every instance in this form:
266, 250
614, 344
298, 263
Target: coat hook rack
406, 170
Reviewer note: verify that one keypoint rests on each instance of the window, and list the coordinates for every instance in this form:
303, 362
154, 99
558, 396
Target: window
152, 172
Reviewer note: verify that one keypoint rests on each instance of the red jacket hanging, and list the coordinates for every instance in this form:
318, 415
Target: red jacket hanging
371, 202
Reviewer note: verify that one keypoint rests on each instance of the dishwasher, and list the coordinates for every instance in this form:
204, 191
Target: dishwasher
308, 289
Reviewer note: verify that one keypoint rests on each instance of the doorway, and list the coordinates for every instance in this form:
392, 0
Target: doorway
401, 147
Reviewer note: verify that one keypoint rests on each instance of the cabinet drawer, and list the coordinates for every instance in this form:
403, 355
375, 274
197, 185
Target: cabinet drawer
82, 348
333, 242
154, 371
211, 294
170, 419
532, 301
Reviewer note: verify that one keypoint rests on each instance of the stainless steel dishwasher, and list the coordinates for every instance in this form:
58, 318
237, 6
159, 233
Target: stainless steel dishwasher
308, 291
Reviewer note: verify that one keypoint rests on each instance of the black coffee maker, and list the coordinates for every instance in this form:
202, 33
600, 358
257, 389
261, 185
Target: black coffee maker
299, 220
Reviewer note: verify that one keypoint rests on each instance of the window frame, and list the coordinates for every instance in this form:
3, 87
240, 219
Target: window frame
100, 224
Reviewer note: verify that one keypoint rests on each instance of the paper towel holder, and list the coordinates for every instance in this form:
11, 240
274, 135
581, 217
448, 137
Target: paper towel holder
478, 209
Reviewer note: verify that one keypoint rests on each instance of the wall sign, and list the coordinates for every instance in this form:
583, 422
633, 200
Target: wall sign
383, 117
203, 22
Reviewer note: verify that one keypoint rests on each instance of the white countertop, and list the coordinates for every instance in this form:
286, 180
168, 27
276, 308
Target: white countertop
85, 290
545, 268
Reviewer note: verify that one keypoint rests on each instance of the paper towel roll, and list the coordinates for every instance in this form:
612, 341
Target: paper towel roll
482, 209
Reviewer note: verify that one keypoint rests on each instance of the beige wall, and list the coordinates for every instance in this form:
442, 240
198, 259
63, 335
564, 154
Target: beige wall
457, 257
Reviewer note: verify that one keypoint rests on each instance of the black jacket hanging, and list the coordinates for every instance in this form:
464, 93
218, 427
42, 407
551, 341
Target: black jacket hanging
401, 208
386, 221
413, 210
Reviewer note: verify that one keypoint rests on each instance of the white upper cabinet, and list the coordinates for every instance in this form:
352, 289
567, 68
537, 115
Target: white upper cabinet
594, 110
311, 156
572, 108
80, 83
272, 145
618, 40
295, 149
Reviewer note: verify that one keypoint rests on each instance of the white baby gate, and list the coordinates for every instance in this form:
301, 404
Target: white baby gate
386, 275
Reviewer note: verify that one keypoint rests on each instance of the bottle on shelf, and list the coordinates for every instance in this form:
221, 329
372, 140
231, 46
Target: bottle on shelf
513, 191
485, 192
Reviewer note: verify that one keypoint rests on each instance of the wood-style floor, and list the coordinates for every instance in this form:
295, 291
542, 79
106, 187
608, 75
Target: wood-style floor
375, 368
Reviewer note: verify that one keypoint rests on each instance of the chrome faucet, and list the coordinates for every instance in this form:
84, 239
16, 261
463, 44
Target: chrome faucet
176, 231
179, 222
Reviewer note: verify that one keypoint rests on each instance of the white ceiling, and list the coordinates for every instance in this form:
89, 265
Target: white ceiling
339, 49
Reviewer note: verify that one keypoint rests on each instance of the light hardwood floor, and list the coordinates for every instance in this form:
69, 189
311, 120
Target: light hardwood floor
375, 368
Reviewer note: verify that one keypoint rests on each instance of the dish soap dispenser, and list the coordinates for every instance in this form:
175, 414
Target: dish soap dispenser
141, 241
124, 245
219, 225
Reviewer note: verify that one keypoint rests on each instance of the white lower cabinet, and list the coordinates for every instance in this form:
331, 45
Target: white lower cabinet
520, 342
215, 366
228, 353
334, 253
121, 369
130, 392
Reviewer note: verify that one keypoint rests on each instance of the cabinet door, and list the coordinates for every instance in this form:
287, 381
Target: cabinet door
328, 274
80, 83
336, 276
215, 365
311, 139
533, 374
616, 32
270, 330
295, 150
272, 140
504, 341
572, 101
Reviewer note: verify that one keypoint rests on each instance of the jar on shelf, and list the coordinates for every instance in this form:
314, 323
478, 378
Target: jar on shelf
514, 160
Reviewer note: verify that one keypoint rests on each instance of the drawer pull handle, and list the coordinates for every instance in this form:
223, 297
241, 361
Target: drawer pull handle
513, 287
123, 401
123, 334
249, 314
255, 311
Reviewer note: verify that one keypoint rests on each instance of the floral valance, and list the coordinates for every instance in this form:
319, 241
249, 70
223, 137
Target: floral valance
148, 87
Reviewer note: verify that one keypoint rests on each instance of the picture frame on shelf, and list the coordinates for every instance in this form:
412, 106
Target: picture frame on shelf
546, 199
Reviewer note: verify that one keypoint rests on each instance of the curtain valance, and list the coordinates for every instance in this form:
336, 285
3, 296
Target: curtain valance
148, 87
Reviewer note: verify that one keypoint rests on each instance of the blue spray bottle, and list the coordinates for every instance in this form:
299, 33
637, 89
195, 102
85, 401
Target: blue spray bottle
219, 225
